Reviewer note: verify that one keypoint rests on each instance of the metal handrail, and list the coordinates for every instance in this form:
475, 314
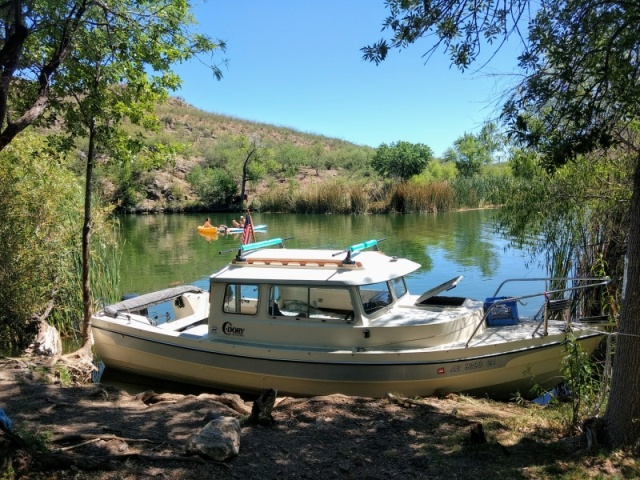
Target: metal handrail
600, 282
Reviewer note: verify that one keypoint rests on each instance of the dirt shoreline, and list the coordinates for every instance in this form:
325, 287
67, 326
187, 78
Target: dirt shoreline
144, 436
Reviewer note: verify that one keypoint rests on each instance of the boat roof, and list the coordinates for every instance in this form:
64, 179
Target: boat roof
307, 266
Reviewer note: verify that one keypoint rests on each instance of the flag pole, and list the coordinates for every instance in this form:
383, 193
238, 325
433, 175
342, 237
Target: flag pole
253, 231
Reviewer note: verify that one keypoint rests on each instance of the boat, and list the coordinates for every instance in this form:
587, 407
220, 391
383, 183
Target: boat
311, 322
208, 233
216, 230
207, 230
256, 228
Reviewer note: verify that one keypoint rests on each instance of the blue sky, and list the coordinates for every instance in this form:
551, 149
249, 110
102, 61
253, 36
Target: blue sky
298, 64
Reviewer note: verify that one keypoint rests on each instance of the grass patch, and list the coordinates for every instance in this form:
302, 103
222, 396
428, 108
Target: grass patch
522, 441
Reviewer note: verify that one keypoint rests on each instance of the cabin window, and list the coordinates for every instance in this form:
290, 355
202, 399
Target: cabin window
242, 299
399, 286
375, 296
324, 304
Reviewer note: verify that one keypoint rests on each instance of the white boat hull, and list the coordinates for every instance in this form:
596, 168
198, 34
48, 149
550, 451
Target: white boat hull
482, 369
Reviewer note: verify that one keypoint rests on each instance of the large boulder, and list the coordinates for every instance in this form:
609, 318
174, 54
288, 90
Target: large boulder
219, 440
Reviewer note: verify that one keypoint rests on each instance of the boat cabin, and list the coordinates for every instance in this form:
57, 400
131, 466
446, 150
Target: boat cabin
301, 297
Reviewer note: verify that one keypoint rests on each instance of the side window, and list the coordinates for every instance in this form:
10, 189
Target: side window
336, 300
293, 301
229, 304
316, 304
399, 286
242, 299
375, 296
275, 302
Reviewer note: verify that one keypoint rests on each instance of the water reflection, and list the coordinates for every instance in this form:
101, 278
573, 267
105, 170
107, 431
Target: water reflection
164, 250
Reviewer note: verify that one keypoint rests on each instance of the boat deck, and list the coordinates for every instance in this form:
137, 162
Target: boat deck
491, 336
408, 315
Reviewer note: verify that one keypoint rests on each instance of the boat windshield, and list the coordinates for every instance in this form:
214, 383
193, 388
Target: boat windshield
375, 296
399, 286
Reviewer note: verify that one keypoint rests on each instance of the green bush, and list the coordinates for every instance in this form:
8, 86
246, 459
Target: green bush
215, 187
34, 186
40, 229
436, 171
401, 160
483, 191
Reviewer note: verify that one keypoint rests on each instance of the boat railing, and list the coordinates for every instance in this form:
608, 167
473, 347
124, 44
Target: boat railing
554, 299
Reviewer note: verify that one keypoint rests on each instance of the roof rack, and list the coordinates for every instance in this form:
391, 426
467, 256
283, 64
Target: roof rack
300, 262
263, 244
357, 248
297, 262
255, 246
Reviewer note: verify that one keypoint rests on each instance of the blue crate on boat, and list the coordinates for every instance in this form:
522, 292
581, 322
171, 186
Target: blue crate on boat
504, 313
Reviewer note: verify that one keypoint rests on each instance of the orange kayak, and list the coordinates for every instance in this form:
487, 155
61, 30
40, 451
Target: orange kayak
208, 230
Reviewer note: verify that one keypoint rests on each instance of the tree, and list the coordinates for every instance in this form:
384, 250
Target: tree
462, 27
107, 80
113, 60
470, 152
401, 159
254, 153
214, 186
523, 163
39, 37
578, 95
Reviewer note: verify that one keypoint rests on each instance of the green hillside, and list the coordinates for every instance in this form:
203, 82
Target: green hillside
204, 146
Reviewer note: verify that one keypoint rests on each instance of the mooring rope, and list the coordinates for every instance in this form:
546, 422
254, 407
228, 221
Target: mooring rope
608, 368
606, 377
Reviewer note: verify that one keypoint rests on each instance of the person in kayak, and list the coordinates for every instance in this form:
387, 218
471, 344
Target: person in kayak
239, 224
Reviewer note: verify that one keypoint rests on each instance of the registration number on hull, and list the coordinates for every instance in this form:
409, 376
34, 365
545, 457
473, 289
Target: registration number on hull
468, 367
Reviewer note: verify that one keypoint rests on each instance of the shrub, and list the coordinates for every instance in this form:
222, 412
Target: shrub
215, 187
402, 159
40, 233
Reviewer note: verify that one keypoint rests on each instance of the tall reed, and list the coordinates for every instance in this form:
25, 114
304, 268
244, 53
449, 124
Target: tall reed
335, 196
104, 274
360, 198
328, 197
482, 191
357, 196
275, 199
412, 197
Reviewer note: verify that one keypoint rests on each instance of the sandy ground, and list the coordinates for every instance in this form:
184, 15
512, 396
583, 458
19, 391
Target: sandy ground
111, 434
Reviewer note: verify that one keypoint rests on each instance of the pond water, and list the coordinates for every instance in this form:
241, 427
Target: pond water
165, 250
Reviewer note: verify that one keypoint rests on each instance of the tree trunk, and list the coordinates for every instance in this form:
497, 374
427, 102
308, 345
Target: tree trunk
86, 242
623, 410
245, 169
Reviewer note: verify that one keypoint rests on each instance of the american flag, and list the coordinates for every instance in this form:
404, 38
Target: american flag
248, 230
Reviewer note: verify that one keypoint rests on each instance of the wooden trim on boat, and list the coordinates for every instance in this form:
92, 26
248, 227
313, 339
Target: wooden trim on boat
298, 262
